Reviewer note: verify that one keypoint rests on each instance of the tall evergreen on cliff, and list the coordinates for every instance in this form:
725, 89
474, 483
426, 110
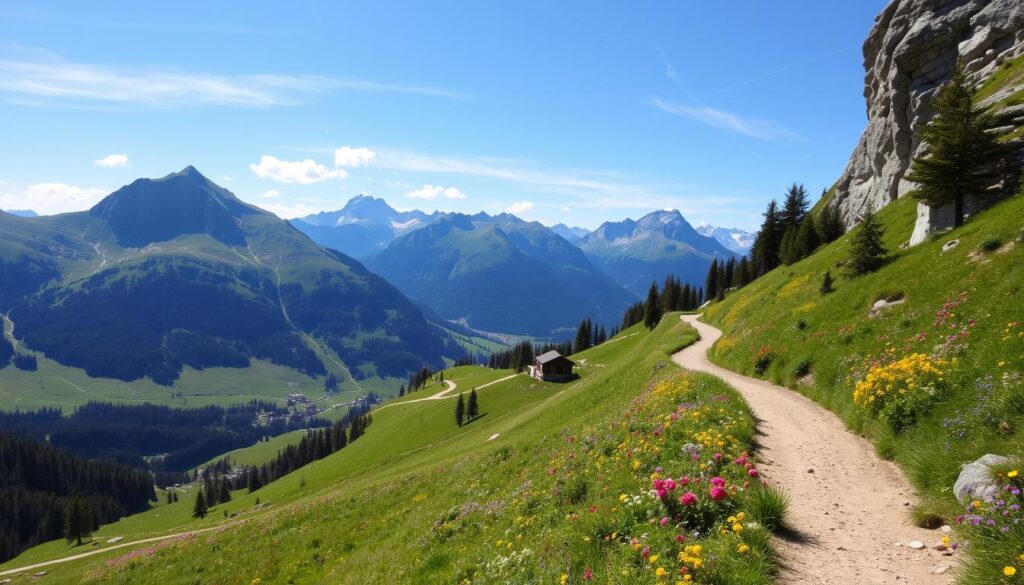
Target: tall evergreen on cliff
962, 151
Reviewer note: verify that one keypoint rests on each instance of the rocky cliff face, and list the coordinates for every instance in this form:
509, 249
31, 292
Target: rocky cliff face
908, 55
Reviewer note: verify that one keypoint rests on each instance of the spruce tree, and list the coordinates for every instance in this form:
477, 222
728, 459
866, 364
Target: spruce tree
827, 284
460, 410
77, 520
652, 308
868, 253
788, 253
472, 408
200, 509
794, 207
960, 152
225, 491
765, 252
830, 224
711, 282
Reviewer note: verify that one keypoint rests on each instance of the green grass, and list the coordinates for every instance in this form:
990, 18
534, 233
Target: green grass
420, 500
260, 453
840, 342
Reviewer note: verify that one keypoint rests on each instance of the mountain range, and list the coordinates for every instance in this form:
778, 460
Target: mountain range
364, 226
500, 274
733, 239
637, 252
175, 272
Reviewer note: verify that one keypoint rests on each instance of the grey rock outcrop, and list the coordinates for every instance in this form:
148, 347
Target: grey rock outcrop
976, 480
909, 53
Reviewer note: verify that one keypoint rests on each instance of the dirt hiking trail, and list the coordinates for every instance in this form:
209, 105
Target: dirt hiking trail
849, 510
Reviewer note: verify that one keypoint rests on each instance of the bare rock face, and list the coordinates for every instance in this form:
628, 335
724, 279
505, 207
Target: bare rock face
908, 55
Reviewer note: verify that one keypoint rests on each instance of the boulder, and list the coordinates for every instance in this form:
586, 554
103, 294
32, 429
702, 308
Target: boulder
976, 480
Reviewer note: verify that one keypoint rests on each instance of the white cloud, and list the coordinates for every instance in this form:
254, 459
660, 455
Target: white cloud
55, 80
112, 160
346, 156
397, 185
565, 209
520, 207
51, 198
431, 192
269, 194
752, 127
285, 211
302, 172
225, 179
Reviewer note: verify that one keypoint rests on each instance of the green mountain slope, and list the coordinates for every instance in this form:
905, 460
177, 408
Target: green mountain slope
958, 310
500, 274
637, 253
177, 273
542, 485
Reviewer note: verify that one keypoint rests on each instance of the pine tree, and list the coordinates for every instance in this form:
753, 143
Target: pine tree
225, 491
765, 252
830, 224
77, 520
794, 207
200, 509
652, 308
787, 247
401, 390
583, 336
868, 252
743, 271
711, 282
827, 284
460, 410
961, 151
472, 408
170, 498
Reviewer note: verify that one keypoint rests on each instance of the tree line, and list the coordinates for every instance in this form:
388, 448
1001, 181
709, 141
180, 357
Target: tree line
43, 487
129, 434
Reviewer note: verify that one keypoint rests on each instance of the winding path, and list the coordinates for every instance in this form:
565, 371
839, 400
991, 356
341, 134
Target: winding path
446, 393
850, 511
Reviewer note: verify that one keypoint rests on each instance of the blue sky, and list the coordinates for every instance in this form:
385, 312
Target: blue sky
559, 111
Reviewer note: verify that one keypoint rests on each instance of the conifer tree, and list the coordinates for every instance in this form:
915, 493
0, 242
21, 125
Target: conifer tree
77, 520
794, 207
460, 410
472, 408
711, 282
225, 491
652, 308
961, 151
765, 251
200, 509
743, 270
827, 284
868, 252
401, 390
830, 224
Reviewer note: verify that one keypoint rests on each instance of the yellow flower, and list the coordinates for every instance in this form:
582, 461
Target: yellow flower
563, 579
742, 548
1012, 473
1009, 571
652, 559
737, 528
623, 497
660, 572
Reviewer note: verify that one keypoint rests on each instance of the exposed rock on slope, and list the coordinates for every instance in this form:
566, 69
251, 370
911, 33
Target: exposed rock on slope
909, 53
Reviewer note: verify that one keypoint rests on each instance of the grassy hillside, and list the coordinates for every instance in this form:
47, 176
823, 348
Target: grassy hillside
552, 481
944, 365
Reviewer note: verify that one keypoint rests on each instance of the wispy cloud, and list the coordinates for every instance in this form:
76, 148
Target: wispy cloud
431, 192
752, 127
520, 207
57, 81
347, 156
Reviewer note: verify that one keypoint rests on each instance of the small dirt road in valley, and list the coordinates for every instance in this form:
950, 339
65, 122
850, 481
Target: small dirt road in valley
850, 510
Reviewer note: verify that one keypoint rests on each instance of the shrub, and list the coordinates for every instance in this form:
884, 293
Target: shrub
801, 324
802, 368
991, 244
763, 361
901, 391
769, 506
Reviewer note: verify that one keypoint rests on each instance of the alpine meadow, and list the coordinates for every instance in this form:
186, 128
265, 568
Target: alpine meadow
531, 293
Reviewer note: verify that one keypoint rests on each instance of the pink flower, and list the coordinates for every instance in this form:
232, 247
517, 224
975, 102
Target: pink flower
717, 482
680, 538
718, 456
670, 484
684, 480
661, 494
718, 493
664, 520
587, 575
688, 499
752, 472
